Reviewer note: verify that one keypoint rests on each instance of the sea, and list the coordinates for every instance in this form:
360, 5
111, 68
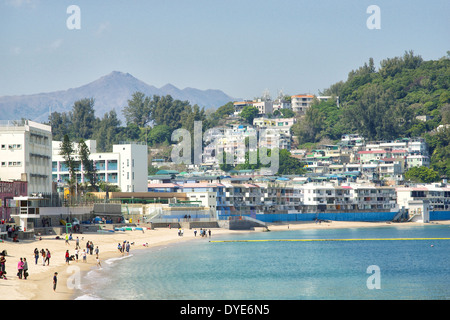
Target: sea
411, 263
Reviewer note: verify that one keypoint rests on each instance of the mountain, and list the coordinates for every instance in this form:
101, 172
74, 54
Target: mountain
110, 92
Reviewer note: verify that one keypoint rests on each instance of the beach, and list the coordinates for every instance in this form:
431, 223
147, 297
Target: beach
39, 285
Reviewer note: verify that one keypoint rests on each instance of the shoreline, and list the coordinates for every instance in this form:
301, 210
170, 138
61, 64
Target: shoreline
38, 286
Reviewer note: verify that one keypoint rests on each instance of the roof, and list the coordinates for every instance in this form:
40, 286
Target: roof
202, 185
372, 151
166, 172
163, 185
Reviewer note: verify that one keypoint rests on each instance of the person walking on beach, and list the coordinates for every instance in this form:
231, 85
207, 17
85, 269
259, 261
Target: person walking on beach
67, 239
128, 248
76, 254
77, 243
67, 256
43, 256
47, 257
84, 255
195, 232
209, 232
36, 255
20, 268
98, 262
55, 280
25, 268
97, 251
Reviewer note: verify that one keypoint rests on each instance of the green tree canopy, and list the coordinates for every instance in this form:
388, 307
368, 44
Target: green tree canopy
422, 174
248, 113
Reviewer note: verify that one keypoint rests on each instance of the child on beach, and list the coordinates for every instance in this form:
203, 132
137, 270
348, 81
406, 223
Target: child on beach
55, 280
84, 255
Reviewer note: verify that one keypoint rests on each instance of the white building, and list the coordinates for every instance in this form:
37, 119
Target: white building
281, 104
25, 154
264, 106
126, 166
301, 102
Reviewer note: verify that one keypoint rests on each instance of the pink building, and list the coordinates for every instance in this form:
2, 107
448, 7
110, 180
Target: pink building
9, 190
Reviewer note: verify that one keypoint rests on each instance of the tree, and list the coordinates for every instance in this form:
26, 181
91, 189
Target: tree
90, 172
138, 110
248, 113
288, 164
165, 110
83, 118
60, 123
422, 174
287, 113
159, 134
67, 151
106, 133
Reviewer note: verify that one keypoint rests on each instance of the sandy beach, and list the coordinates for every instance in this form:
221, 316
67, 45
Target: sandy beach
39, 285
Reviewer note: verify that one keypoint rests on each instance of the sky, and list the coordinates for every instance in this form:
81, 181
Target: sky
242, 47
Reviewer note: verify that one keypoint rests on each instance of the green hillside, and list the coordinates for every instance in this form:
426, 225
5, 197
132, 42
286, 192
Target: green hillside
383, 103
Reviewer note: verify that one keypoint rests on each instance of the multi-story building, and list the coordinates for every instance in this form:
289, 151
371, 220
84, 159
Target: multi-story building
231, 141
301, 102
279, 104
126, 166
263, 106
25, 154
437, 195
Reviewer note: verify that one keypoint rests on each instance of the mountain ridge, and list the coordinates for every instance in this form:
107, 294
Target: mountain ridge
110, 92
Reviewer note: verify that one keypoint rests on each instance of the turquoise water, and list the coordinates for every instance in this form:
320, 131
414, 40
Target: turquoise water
281, 270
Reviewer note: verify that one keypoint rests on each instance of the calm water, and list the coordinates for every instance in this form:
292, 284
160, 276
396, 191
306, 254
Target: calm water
408, 269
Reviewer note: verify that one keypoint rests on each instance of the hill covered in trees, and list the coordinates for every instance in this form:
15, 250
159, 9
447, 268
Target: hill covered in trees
386, 104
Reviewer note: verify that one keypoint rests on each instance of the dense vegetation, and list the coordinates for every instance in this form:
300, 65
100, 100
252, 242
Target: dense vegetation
383, 105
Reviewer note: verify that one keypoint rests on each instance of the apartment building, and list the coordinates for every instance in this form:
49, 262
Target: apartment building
126, 166
301, 102
25, 154
437, 195
230, 140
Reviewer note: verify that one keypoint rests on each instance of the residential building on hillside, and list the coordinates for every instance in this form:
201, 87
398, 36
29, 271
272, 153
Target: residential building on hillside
301, 102
436, 194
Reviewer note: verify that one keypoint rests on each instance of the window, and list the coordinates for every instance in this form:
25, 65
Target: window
3, 146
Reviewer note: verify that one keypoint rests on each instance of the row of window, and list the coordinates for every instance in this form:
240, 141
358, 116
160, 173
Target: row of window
11, 164
11, 147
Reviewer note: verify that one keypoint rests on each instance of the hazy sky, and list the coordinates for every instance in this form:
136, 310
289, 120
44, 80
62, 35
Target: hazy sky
241, 47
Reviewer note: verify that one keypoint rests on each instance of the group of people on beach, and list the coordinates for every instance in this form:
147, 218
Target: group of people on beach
124, 247
46, 255
203, 232
22, 267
